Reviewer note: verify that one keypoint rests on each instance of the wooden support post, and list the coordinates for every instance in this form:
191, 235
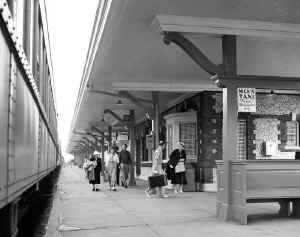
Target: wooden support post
229, 55
102, 154
132, 149
155, 99
230, 115
109, 137
102, 147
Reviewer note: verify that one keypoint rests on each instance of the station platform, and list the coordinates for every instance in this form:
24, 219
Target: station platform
77, 211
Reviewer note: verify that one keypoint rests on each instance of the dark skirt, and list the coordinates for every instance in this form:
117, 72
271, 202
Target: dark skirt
97, 175
176, 178
179, 178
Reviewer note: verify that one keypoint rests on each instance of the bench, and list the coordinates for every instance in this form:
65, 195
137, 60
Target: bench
259, 181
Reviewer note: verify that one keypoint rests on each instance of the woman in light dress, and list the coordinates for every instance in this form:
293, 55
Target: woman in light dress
111, 163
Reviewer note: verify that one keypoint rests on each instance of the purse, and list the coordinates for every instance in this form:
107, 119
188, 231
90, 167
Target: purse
180, 167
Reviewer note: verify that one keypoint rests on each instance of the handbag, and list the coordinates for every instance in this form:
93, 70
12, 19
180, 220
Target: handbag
157, 181
180, 167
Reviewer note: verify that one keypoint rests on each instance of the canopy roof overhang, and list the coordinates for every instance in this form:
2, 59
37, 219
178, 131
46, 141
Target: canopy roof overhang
127, 52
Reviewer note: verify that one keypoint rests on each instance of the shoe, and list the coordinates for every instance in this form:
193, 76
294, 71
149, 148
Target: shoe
126, 185
114, 189
175, 191
93, 189
97, 189
147, 193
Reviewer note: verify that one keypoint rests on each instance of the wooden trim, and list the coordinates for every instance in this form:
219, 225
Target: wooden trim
165, 86
219, 26
262, 82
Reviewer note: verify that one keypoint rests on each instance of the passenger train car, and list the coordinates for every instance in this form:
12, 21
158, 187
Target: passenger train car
29, 145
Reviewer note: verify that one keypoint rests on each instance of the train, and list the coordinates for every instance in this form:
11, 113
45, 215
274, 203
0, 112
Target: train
29, 144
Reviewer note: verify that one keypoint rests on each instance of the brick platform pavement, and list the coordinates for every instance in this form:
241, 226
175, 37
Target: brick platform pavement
77, 211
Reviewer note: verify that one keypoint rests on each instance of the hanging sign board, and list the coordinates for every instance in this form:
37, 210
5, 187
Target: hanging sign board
246, 100
149, 142
123, 136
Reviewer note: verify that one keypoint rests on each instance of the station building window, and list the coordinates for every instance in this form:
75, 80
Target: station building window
292, 133
187, 135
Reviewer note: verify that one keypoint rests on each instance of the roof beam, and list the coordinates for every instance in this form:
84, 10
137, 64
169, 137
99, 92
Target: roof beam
113, 114
136, 101
222, 26
127, 95
164, 86
121, 94
261, 82
93, 128
191, 50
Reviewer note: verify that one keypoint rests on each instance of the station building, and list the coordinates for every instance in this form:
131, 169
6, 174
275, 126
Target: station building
171, 70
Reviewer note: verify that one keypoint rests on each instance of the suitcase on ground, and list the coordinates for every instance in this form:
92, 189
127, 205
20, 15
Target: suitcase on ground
157, 181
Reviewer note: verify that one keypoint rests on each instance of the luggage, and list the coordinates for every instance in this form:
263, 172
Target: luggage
157, 181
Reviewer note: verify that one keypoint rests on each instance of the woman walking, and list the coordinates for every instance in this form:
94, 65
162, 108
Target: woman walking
111, 168
91, 164
157, 170
97, 171
176, 168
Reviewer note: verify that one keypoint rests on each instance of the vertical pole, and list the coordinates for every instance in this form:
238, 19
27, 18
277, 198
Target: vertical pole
155, 98
102, 153
230, 115
229, 54
102, 147
132, 148
109, 137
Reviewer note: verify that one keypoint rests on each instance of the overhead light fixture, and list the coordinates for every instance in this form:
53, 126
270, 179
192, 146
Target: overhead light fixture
119, 102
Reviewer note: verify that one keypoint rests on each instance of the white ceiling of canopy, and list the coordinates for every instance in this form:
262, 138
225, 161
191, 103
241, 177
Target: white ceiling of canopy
132, 51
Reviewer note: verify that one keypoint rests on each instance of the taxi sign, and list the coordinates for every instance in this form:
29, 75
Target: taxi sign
246, 100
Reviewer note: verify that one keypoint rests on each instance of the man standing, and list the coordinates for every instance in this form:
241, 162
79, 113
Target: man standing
125, 162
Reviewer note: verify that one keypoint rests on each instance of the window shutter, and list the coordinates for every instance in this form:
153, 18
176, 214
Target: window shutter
241, 139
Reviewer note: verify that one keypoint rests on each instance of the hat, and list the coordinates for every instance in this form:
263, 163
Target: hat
161, 142
181, 144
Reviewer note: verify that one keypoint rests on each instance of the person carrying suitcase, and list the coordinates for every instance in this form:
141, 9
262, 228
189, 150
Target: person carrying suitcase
157, 171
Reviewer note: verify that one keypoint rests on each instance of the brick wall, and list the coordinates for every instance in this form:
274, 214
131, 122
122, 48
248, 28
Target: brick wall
271, 110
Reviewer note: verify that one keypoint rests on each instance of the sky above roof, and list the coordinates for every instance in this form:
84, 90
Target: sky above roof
70, 25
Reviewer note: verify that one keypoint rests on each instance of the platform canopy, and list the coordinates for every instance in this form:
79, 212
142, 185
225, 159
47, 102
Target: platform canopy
127, 51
